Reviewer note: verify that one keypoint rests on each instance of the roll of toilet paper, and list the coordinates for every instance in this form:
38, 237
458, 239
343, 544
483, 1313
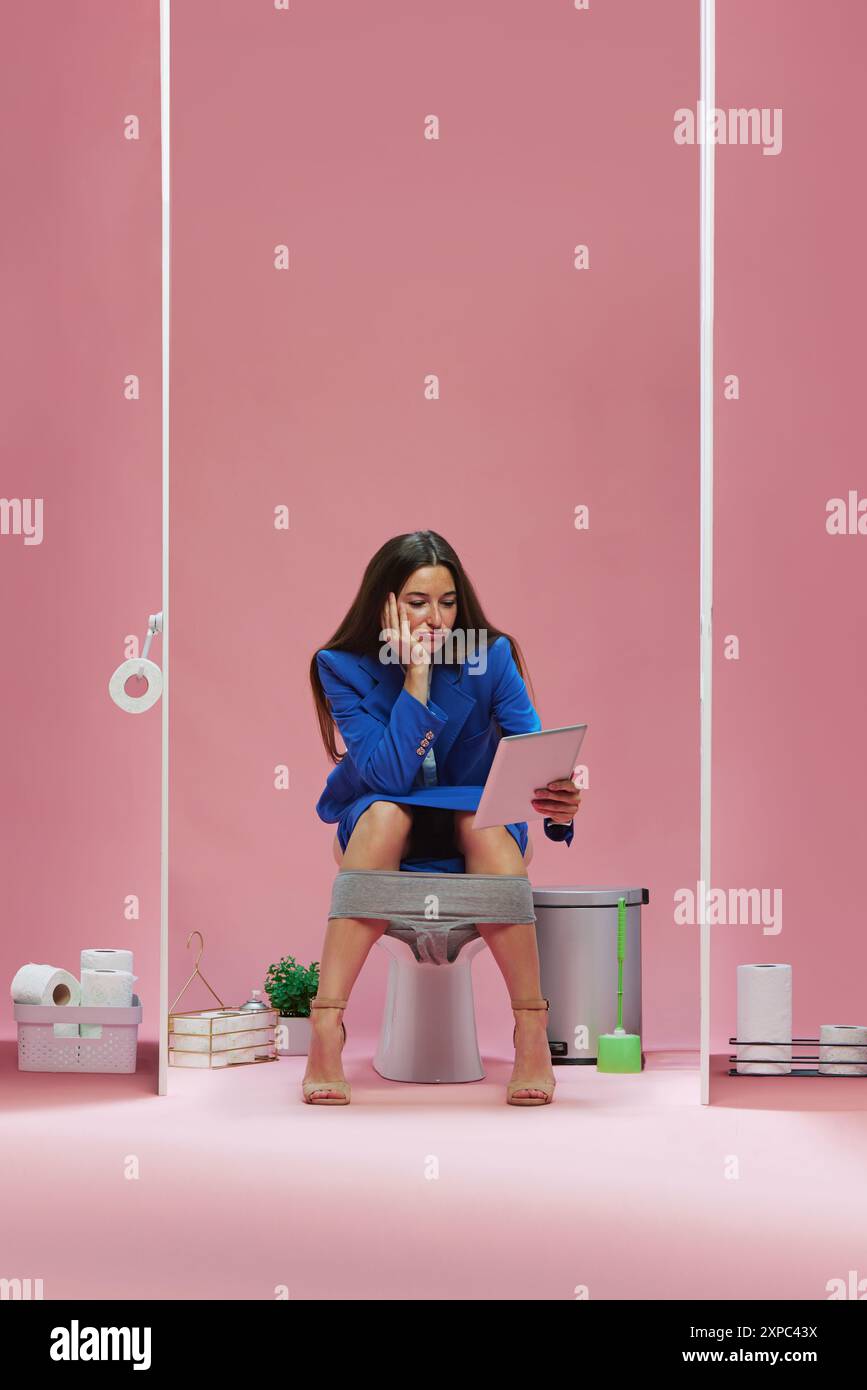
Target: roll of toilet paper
105, 989
45, 984
765, 1018
106, 958
832, 1057
137, 666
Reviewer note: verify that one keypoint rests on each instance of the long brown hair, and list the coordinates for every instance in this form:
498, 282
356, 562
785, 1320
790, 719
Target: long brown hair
386, 573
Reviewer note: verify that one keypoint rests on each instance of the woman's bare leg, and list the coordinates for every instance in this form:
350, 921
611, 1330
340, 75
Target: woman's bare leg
377, 842
514, 948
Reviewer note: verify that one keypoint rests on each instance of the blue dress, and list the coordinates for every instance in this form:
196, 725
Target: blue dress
389, 734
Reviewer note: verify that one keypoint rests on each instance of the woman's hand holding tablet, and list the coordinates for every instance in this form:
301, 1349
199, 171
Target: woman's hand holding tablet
527, 781
558, 801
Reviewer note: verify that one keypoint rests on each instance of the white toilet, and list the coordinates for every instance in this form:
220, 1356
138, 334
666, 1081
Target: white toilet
429, 1021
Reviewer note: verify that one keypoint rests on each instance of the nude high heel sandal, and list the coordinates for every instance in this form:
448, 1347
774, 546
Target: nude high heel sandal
311, 1087
533, 1084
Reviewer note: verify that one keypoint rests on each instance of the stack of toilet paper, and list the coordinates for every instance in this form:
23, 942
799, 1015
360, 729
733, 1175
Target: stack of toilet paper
106, 981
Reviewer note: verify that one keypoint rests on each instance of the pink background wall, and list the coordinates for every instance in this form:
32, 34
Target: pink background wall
304, 388
80, 268
790, 759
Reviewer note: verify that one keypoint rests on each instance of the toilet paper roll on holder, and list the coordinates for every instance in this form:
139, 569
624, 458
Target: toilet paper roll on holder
143, 668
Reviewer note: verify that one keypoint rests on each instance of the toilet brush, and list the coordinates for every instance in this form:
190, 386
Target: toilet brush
619, 1051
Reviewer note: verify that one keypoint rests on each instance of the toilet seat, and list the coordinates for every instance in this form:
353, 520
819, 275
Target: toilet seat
428, 1029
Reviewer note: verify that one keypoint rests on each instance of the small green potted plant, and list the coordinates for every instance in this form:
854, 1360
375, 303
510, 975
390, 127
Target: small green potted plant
290, 988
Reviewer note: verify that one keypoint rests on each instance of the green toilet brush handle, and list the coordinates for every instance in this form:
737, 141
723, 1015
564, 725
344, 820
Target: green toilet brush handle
621, 957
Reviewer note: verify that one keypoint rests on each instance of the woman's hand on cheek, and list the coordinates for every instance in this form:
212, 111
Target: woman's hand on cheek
558, 801
395, 624
411, 653
389, 623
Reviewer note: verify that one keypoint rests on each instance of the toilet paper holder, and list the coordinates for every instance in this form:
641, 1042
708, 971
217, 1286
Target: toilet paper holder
155, 624
143, 668
796, 1071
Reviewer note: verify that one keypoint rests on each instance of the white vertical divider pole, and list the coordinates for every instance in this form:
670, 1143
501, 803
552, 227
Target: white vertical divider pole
165, 146
705, 129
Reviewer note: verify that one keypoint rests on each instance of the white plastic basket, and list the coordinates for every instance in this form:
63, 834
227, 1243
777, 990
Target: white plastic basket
39, 1049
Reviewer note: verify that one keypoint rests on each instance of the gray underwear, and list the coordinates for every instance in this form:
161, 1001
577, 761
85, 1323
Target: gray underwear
435, 914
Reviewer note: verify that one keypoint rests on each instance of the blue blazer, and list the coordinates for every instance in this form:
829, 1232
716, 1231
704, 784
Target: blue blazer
387, 733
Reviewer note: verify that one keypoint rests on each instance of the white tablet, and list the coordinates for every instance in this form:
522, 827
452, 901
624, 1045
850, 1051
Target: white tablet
522, 763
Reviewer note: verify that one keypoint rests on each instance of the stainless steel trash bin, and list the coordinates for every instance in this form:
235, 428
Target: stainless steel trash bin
577, 933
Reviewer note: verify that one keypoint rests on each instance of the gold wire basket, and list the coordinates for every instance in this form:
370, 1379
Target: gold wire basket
219, 1038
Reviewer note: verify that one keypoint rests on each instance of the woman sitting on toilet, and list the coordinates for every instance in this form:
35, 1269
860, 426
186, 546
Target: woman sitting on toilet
420, 736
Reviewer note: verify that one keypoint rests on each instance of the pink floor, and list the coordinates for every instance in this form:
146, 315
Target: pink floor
622, 1185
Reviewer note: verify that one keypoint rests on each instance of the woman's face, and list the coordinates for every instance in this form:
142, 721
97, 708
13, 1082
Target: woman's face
431, 600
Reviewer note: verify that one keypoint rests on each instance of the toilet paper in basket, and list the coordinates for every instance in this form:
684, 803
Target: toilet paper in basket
105, 989
106, 958
46, 984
